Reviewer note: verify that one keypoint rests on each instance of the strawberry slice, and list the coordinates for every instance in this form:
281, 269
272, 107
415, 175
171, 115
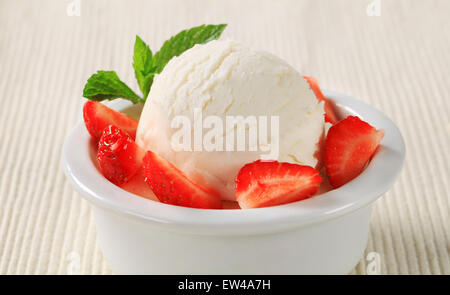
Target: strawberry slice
348, 147
270, 183
171, 186
118, 155
97, 117
330, 115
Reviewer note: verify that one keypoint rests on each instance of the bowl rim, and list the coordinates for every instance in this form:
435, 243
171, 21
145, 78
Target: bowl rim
375, 180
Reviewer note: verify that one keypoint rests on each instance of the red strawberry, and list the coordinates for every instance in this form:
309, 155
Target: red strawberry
118, 155
136, 185
330, 115
97, 117
348, 147
171, 186
269, 183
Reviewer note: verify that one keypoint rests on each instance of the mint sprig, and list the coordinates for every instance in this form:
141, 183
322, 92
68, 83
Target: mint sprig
107, 85
143, 66
185, 40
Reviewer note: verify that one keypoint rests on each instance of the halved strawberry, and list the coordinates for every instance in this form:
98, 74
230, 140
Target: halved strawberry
330, 115
171, 186
118, 155
348, 147
270, 183
97, 117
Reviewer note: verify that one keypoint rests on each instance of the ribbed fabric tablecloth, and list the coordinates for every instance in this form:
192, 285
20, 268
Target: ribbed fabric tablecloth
399, 62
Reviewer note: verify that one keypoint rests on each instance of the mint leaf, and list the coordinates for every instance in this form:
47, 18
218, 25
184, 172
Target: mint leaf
183, 41
107, 85
142, 64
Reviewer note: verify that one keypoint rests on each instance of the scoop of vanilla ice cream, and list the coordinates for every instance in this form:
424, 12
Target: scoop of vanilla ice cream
225, 78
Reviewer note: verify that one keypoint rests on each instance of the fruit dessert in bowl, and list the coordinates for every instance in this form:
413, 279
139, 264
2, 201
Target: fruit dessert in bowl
224, 126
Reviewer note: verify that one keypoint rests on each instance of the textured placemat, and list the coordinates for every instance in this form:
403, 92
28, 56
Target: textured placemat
398, 62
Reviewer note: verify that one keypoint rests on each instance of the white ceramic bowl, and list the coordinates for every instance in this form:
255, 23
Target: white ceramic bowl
326, 234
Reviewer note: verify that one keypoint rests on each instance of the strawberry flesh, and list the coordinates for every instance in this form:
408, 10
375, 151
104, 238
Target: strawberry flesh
270, 183
349, 145
97, 117
171, 186
118, 155
330, 115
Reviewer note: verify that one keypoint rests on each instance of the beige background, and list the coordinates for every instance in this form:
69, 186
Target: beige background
398, 62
